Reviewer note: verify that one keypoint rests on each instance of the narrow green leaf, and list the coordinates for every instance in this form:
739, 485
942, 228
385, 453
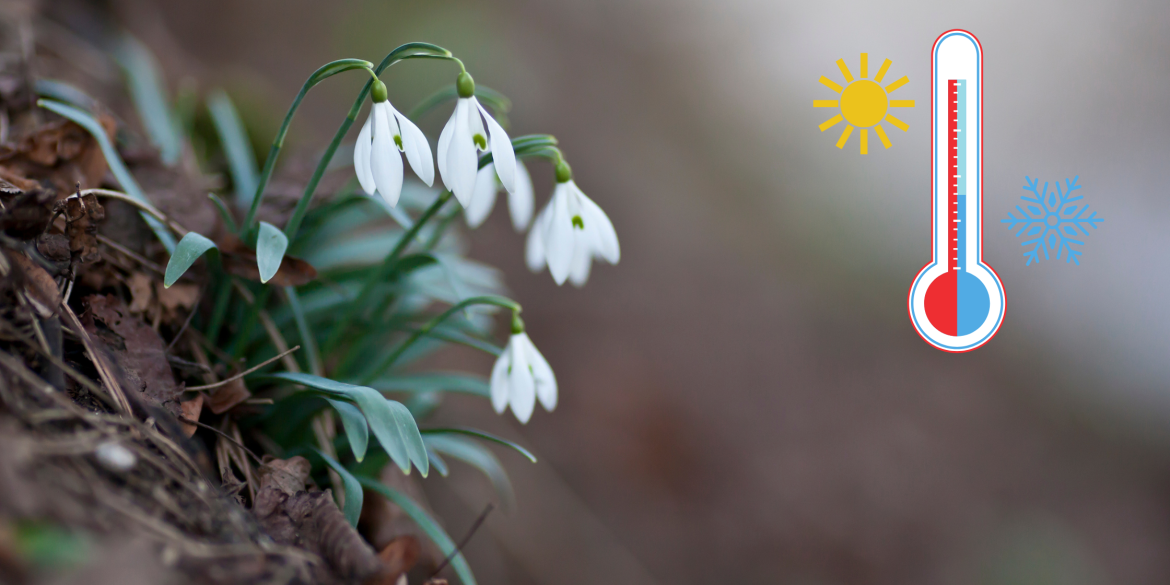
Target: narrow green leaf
114, 160
477, 456
357, 431
270, 247
353, 490
224, 213
190, 248
64, 92
427, 524
307, 338
481, 435
447, 381
146, 89
390, 421
236, 146
437, 462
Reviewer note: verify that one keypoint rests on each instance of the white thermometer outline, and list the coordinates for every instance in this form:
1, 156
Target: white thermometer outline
957, 55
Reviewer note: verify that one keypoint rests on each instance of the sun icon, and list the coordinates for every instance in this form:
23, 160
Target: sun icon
864, 103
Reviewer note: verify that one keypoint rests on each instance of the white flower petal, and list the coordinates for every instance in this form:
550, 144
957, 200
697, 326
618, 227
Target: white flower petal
502, 154
484, 197
542, 374
534, 248
522, 388
597, 222
560, 239
521, 199
417, 149
445, 146
499, 382
361, 156
582, 261
474, 123
385, 162
462, 162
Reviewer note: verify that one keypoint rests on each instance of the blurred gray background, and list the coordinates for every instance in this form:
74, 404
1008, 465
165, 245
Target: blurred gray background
743, 398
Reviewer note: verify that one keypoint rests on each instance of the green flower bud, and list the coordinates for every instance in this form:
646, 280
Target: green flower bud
564, 172
517, 324
465, 85
378, 92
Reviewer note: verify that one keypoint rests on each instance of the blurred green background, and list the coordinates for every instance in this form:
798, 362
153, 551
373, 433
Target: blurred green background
743, 398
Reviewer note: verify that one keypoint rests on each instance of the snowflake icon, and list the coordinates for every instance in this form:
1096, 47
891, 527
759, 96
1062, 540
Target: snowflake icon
1051, 222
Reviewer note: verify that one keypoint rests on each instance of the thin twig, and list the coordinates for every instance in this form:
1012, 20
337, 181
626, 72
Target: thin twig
187, 321
243, 373
221, 434
99, 361
467, 538
131, 254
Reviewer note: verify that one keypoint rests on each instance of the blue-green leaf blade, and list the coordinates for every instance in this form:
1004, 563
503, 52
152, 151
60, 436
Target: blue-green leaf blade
189, 249
353, 490
432, 382
236, 146
428, 526
356, 428
149, 96
270, 247
481, 435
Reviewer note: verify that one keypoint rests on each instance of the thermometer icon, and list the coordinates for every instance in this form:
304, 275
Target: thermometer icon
956, 301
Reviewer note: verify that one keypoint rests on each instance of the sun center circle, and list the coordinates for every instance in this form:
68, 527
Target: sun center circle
864, 103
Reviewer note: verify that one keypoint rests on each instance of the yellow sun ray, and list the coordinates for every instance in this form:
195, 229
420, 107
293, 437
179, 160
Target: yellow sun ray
895, 85
900, 124
824, 103
864, 65
882, 134
901, 103
830, 84
844, 70
864, 142
845, 136
882, 72
830, 122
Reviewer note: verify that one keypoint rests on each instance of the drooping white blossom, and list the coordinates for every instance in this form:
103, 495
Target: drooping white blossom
464, 137
376, 158
521, 376
487, 186
569, 233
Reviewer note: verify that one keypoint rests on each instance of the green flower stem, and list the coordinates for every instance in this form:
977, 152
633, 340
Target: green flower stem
307, 339
327, 70
250, 320
426, 328
402, 53
223, 294
382, 273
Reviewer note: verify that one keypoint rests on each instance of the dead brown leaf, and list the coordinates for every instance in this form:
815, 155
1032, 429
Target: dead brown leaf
138, 348
191, 409
25, 215
59, 152
397, 558
179, 295
228, 396
239, 260
286, 475
83, 214
40, 288
141, 292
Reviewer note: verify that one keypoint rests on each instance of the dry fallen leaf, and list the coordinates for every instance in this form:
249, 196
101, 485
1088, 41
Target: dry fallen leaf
141, 293
239, 260
137, 347
398, 558
191, 408
60, 152
228, 396
41, 289
179, 295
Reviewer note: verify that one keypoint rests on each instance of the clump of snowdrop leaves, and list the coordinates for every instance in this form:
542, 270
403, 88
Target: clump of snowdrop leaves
376, 158
487, 186
521, 376
570, 232
464, 137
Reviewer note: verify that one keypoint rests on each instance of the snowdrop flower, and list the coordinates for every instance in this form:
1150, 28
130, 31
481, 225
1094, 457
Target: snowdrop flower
520, 200
376, 158
464, 136
569, 233
521, 376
